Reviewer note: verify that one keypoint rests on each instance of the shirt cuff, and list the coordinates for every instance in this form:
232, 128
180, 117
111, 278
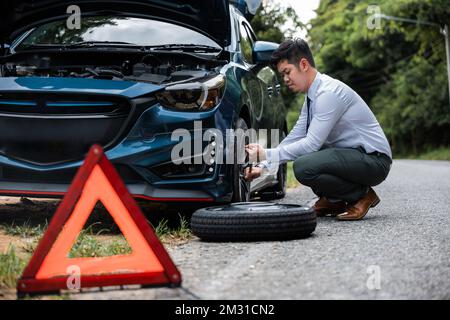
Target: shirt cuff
273, 156
267, 168
271, 164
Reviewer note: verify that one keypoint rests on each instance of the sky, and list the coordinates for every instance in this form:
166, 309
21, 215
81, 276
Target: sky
304, 8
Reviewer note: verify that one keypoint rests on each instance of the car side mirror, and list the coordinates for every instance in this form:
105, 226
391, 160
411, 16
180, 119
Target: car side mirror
263, 50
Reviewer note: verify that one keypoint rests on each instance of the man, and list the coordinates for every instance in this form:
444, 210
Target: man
337, 145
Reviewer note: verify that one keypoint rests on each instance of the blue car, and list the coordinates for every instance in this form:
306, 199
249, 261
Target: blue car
127, 75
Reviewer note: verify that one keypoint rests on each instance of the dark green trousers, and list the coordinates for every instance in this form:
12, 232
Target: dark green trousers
342, 174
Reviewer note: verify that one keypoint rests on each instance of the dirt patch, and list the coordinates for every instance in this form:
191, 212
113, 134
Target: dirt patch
19, 211
7, 240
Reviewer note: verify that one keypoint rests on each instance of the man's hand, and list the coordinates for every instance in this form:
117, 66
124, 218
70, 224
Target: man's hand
256, 152
255, 173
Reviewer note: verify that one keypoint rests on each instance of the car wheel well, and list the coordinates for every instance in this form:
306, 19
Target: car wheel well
245, 114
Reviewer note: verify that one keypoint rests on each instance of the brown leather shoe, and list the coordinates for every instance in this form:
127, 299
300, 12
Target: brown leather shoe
358, 210
323, 207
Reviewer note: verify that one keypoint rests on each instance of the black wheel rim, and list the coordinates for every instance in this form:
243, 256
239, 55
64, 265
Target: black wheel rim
283, 177
241, 186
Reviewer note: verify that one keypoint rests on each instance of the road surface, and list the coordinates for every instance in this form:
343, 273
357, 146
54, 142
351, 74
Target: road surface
400, 250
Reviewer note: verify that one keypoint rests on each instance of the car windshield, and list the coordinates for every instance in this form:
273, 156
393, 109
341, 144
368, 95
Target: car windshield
108, 29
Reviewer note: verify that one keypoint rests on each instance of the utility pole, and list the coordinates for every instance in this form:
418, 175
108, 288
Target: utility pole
444, 31
447, 48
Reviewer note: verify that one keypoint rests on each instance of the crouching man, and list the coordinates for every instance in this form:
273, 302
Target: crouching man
337, 145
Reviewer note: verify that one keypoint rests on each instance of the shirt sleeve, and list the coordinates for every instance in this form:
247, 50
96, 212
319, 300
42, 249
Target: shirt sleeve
329, 108
298, 132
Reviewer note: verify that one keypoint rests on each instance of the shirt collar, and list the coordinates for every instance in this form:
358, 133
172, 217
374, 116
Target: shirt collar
314, 86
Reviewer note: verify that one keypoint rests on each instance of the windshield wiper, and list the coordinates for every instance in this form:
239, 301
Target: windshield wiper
92, 44
81, 44
87, 44
185, 47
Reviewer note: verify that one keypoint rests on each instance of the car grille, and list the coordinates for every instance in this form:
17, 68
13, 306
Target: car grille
63, 176
50, 128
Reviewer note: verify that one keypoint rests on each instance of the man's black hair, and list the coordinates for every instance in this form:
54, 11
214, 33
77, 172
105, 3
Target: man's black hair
293, 50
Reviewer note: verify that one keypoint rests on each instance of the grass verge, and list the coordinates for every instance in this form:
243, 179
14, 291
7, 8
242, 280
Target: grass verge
11, 267
26, 230
442, 153
88, 244
292, 182
175, 235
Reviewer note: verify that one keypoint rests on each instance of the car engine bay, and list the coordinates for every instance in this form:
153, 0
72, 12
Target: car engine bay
159, 67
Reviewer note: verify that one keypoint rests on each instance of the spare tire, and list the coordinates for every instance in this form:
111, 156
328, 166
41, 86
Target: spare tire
253, 221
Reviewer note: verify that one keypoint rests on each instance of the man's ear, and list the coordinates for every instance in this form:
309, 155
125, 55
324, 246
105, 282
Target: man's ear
303, 65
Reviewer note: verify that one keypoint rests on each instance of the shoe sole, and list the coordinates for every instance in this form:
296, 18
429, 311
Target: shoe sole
373, 205
375, 202
325, 213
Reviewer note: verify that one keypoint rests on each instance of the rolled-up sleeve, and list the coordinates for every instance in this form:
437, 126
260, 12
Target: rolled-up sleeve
329, 108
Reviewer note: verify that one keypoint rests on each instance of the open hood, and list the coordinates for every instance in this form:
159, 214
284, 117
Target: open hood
210, 17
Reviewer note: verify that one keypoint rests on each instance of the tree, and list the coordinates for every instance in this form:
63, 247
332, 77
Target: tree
399, 69
270, 20
268, 24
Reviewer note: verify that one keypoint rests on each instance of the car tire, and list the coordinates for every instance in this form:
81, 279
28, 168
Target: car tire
241, 188
253, 221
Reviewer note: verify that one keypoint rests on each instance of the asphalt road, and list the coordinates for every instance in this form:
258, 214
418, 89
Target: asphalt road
400, 250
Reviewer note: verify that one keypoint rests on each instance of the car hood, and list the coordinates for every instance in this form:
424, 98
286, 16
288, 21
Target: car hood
210, 17
126, 89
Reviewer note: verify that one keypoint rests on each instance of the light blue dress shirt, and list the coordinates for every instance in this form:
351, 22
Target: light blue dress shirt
339, 118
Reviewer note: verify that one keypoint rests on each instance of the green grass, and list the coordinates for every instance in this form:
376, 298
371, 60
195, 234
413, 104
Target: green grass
291, 119
11, 268
179, 233
292, 182
442, 153
88, 244
24, 231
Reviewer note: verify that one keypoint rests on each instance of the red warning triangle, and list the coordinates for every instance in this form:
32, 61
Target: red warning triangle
50, 268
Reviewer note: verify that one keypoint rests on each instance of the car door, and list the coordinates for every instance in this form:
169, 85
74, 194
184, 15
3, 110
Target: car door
260, 83
250, 82
269, 110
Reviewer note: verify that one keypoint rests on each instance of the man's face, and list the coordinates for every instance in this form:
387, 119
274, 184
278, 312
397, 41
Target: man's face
294, 76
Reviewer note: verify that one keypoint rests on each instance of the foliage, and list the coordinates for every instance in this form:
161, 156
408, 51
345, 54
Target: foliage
269, 21
399, 69
269, 24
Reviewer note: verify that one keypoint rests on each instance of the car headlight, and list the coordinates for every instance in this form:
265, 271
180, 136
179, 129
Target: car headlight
193, 96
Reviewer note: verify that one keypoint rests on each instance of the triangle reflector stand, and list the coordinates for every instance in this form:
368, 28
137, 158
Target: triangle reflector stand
51, 270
